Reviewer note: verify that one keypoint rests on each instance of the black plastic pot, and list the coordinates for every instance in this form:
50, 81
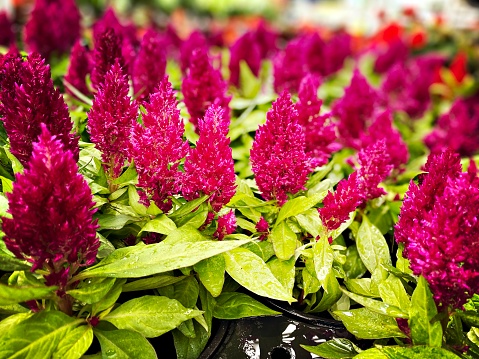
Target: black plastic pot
278, 337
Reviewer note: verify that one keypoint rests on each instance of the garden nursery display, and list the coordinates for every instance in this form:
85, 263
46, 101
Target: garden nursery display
157, 190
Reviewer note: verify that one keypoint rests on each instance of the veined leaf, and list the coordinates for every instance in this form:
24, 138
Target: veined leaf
337, 348
125, 344
94, 291
298, 205
211, 272
284, 241
75, 343
14, 294
161, 224
233, 305
377, 306
372, 247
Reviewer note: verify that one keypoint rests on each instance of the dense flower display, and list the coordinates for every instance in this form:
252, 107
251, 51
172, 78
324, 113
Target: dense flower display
278, 157
439, 227
51, 222
161, 133
111, 119
28, 99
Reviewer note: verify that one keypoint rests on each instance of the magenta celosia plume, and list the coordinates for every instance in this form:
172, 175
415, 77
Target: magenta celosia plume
289, 67
226, 225
7, 36
248, 50
320, 132
51, 222
439, 226
78, 69
157, 147
150, 64
196, 41
397, 51
28, 99
53, 27
111, 119
209, 167
204, 86
278, 157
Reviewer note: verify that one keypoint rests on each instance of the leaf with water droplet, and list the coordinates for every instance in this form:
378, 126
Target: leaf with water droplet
124, 344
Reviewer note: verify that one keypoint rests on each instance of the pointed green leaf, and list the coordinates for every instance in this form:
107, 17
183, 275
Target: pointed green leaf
233, 305
134, 200
392, 292
298, 205
251, 272
93, 291
161, 224
284, 241
124, 344
154, 282
310, 222
19, 294
128, 177
187, 208
110, 298
418, 352
337, 348
211, 272
114, 221
377, 306
75, 343
323, 258
372, 247
284, 271
150, 315
11, 321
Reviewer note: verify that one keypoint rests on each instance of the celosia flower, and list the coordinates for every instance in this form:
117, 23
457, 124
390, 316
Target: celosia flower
457, 129
53, 27
361, 186
382, 129
226, 225
266, 39
290, 67
52, 221
320, 134
7, 36
278, 157
336, 51
209, 168
172, 42
28, 99
354, 110
439, 227
204, 86
162, 136
110, 120
394, 52
78, 69
196, 41
262, 227
150, 64
107, 51
248, 50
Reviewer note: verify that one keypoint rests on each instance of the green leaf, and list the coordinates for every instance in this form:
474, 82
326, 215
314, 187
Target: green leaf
323, 258
332, 293
251, 272
284, 271
354, 266
422, 311
141, 261
334, 349
417, 352
134, 200
8, 262
186, 292
211, 272
361, 286
7, 184
372, 247
154, 282
233, 305
11, 321
250, 85
377, 306
124, 344
17, 167
161, 224
392, 292
366, 324
128, 177
190, 347
150, 315
373, 353
12, 295
37, 336
114, 221
263, 249
298, 205
310, 222
75, 343
187, 208
310, 283
110, 298
92, 291
284, 241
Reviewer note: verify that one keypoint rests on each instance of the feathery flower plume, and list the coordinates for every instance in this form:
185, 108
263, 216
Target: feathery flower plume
248, 50
162, 135
7, 36
439, 227
111, 119
354, 110
28, 99
320, 134
226, 225
53, 27
209, 168
396, 51
289, 67
52, 224
78, 69
196, 41
457, 129
107, 51
278, 156
263, 228
150, 64
204, 86
336, 51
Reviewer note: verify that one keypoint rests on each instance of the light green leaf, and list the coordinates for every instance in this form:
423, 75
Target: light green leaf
377, 306
310, 222
366, 324
107, 302
323, 258
187, 208
128, 177
37, 336
92, 291
298, 205
332, 293
7, 184
12, 295
232, 305
134, 200
284, 241
392, 292
422, 311
161, 224
150, 315
373, 353
8, 262
337, 348
354, 266
361, 286
251, 272
75, 343
11, 321
114, 221
154, 282
417, 352
211, 272
124, 344
284, 271
17, 167
372, 247
186, 292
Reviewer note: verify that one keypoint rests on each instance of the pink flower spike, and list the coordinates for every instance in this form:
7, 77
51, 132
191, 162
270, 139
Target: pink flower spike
80, 66
196, 41
111, 119
226, 225
278, 157
7, 36
52, 222
209, 168
107, 51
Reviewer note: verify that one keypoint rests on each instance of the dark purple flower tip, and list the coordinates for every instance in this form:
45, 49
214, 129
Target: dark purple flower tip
52, 222
80, 66
152, 238
226, 225
7, 36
